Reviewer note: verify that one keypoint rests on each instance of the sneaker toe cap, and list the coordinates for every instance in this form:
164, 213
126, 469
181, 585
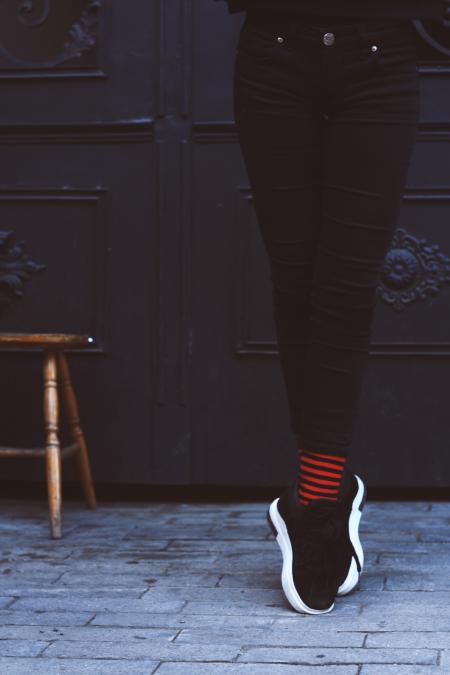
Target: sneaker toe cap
314, 595
319, 601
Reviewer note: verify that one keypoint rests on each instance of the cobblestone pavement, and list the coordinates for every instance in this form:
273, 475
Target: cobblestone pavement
177, 588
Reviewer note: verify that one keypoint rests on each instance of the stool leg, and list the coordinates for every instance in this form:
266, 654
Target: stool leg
52, 442
71, 409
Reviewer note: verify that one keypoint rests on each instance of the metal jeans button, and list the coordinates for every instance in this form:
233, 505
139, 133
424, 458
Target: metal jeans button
329, 39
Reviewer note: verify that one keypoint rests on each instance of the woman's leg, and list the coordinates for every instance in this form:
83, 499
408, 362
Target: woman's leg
280, 135
369, 139
327, 134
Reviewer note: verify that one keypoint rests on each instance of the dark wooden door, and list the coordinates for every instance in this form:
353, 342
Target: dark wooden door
126, 214
78, 186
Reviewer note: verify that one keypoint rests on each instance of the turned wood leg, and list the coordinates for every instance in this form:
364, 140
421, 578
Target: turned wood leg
52, 442
71, 410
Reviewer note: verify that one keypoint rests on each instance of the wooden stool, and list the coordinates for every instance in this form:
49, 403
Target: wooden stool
56, 371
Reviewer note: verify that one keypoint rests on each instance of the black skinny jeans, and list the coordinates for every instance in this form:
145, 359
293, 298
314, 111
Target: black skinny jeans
326, 132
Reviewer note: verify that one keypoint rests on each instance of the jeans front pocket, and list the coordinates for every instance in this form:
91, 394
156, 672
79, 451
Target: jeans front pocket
257, 42
395, 48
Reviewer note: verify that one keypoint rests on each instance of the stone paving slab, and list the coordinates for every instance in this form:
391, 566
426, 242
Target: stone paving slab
401, 670
85, 633
173, 588
32, 618
68, 591
252, 669
153, 649
76, 667
327, 656
420, 581
95, 604
273, 637
22, 647
372, 622
414, 639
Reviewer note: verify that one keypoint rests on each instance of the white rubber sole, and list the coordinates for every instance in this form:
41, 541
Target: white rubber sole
284, 543
353, 575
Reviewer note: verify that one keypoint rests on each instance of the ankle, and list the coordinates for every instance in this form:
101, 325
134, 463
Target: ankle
320, 475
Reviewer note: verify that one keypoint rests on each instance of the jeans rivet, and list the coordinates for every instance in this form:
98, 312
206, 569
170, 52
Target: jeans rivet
374, 48
280, 39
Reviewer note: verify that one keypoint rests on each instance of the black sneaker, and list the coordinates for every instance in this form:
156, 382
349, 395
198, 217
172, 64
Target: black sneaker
322, 553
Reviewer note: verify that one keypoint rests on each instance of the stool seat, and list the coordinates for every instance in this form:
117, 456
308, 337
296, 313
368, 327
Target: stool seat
55, 340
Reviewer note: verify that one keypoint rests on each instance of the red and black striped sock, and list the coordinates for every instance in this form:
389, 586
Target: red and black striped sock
319, 475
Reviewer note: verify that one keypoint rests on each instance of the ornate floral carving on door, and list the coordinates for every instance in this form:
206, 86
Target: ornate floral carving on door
44, 34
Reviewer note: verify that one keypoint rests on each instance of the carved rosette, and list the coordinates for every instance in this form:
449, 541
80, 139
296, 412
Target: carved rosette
413, 270
15, 267
82, 34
